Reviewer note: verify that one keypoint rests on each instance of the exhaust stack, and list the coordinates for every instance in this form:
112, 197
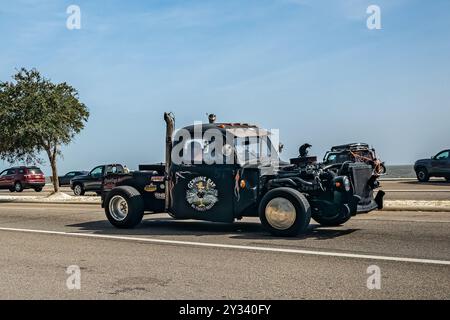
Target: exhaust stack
170, 127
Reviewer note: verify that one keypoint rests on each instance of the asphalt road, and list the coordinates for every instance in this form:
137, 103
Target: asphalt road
167, 259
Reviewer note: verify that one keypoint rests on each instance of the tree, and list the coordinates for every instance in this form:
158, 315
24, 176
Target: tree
38, 116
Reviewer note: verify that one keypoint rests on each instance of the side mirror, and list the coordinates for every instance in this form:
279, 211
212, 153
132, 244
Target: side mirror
280, 147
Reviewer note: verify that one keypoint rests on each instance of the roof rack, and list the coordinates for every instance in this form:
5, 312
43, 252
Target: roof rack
351, 147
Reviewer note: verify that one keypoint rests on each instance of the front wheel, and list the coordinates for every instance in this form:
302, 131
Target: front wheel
38, 189
18, 187
285, 212
78, 190
124, 207
422, 175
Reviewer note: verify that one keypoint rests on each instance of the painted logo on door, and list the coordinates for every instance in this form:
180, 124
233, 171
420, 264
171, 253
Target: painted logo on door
201, 193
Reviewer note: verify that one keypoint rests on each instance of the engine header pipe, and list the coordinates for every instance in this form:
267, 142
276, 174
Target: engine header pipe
170, 127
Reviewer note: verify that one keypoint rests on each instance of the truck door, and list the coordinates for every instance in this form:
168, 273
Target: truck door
94, 180
441, 163
203, 192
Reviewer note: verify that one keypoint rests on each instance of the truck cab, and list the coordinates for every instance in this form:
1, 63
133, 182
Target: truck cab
92, 181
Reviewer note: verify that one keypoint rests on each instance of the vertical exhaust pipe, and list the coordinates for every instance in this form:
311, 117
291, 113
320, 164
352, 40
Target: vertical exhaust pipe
170, 127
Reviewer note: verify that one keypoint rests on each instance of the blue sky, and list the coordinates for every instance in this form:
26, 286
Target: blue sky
310, 68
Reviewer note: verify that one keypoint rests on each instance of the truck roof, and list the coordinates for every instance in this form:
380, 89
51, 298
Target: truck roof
236, 129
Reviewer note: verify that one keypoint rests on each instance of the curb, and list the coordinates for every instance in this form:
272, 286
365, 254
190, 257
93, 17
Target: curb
417, 208
97, 203
397, 179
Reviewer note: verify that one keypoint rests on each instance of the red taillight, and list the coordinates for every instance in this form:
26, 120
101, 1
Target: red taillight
33, 176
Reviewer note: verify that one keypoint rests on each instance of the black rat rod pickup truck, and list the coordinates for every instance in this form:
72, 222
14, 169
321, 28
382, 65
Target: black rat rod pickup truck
222, 172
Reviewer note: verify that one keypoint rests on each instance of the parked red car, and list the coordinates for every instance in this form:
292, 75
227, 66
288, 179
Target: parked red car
19, 178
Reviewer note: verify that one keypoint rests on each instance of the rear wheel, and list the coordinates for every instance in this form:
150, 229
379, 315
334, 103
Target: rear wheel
341, 217
12, 190
422, 175
285, 212
78, 190
124, 207
38, 189
383, 169
18, 187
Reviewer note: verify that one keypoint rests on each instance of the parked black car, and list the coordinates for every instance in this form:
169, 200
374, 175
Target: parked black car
65, 179
437, 166
93, 180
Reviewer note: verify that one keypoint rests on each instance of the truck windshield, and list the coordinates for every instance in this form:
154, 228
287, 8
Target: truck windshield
333, 158
255, 151
244, 151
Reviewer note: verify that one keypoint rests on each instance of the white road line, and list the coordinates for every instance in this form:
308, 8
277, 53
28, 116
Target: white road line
228, 246
399, 220
417, 190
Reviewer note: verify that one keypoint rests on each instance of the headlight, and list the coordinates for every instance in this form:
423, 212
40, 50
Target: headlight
343, 183
347, 184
